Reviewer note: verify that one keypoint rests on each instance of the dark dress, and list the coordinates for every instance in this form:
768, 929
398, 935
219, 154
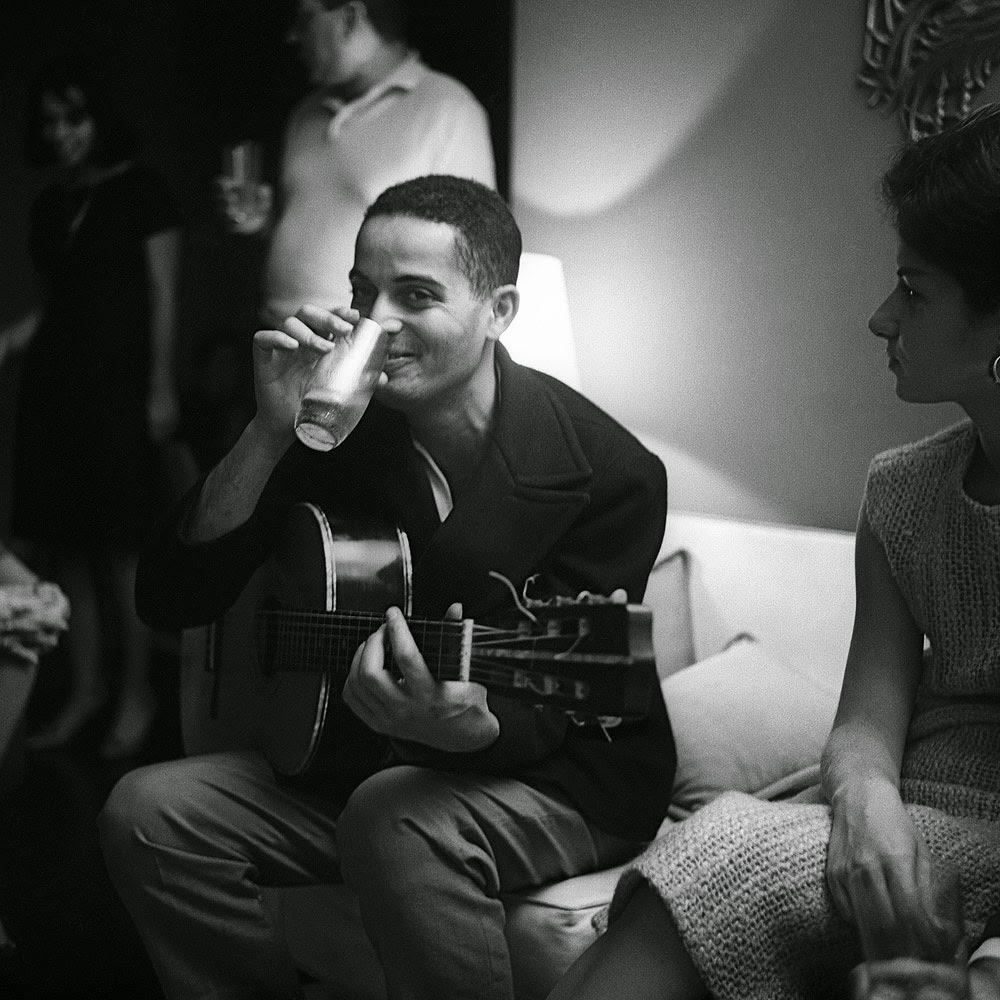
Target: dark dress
84, 460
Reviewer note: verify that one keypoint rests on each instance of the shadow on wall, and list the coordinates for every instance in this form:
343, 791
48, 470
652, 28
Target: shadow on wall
695, 485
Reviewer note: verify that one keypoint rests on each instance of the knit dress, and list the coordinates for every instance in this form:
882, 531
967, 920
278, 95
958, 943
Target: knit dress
745, 879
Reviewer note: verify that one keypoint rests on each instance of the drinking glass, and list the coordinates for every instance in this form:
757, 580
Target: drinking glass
924, 958
247, 199
340, 386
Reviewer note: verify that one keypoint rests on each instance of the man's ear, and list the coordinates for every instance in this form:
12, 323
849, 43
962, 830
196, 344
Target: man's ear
504, 303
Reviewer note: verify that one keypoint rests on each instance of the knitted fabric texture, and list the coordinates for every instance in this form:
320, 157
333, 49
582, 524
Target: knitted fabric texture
745, 883
944, 552
745, 879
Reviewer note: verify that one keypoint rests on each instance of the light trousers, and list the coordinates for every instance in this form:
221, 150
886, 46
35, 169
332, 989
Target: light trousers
189, 844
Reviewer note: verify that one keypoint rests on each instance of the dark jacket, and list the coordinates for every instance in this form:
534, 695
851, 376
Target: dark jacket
564, 494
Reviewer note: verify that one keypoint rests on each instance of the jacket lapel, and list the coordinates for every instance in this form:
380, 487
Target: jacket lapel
533, 482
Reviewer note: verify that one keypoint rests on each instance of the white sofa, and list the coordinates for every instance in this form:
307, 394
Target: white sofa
751, 627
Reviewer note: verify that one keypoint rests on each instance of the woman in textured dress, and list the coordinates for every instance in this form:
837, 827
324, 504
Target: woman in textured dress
750, 899
97, 388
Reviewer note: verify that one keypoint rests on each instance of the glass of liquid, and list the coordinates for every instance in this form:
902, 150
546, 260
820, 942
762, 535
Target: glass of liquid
340, 386
246, 199
922, 958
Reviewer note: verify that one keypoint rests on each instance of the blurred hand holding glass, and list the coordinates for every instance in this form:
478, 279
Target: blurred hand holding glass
922, 958
244, 200
340, 386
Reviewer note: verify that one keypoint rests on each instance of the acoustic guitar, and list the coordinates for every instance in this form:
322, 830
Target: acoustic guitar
270, 672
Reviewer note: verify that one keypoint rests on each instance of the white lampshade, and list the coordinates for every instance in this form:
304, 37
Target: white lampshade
541, 335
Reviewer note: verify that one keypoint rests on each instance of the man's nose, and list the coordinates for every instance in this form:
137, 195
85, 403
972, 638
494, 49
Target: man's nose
381, 310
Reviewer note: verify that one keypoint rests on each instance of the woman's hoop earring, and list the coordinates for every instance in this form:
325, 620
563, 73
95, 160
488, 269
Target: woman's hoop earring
995, 369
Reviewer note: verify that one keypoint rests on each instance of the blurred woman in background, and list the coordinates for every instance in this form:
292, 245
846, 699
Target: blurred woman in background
97, 389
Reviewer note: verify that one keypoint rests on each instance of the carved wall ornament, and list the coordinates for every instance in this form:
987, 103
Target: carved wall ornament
928, 59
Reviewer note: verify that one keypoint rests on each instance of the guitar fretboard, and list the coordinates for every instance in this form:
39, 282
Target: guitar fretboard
326, 641
501, 659
562, 663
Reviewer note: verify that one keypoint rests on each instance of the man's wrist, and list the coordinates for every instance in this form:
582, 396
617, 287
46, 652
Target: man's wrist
266, 440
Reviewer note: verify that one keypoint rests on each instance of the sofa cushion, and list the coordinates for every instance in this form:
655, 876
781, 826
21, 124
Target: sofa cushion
668, 595
744, 719
548, 927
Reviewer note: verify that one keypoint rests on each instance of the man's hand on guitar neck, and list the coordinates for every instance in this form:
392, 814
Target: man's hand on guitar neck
412, 705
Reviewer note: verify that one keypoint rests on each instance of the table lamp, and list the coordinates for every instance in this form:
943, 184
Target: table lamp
541, 335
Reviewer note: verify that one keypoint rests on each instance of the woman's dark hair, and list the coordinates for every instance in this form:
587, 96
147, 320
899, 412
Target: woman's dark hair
116, 140
943, 192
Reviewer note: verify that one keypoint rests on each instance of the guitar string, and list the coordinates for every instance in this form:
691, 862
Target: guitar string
497, 640
338, 623
324, 645
295, 648
483, 637
327, 641
483, 672
480, 668
344, 621
296, 644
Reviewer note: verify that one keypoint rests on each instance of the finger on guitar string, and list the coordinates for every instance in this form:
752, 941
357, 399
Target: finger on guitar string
406, 656
359, 694
383, 689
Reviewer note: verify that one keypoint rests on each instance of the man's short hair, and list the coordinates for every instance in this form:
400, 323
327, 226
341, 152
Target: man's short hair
387, 17
487, 239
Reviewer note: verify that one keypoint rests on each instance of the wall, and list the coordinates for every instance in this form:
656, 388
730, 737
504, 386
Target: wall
708, 174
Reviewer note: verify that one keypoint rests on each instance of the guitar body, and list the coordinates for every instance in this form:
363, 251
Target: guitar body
269, 674
237, 691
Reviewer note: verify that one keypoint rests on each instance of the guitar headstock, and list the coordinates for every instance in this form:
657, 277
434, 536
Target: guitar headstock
591, 656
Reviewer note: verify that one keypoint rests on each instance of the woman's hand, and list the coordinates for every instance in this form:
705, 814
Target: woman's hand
876, 860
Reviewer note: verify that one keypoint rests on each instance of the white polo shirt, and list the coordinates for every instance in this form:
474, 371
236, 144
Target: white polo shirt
339, 157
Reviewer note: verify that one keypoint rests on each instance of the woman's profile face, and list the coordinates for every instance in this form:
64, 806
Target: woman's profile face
67, 127
938, 349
